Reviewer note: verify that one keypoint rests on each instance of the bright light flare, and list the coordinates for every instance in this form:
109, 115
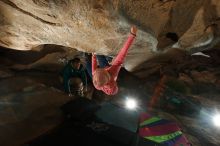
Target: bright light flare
131, 103
216, 120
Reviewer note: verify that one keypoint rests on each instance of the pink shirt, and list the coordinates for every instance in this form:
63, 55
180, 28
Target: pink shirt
111, 88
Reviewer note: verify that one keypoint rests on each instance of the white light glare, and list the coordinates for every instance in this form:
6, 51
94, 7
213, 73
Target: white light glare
131, 104
216, 120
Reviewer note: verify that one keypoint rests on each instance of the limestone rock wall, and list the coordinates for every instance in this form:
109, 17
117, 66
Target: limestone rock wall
102, 25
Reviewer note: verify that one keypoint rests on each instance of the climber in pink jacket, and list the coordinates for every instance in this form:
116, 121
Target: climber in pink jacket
105, 78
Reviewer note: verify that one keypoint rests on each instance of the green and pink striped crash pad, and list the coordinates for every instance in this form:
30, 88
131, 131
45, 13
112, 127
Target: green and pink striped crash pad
161, 131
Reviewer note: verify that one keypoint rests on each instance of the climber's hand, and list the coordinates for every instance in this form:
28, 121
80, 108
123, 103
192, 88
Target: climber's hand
85, 89
133, 30
70, 94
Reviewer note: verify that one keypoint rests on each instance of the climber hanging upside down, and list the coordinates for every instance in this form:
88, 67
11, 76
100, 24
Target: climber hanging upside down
105, 78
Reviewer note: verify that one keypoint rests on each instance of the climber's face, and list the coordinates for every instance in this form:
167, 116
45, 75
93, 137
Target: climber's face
76, 65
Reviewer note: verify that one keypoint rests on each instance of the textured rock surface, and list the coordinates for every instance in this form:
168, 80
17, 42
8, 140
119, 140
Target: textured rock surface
102, 26
30, 99
195, 76
28, 108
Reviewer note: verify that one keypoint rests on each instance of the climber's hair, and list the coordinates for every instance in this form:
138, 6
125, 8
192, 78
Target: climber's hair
100, 77
75, 60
